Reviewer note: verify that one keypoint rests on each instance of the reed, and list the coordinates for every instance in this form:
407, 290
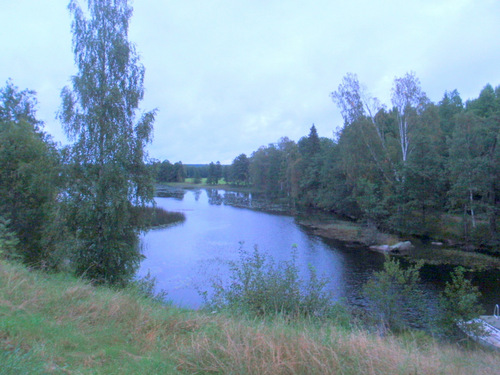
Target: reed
157, 217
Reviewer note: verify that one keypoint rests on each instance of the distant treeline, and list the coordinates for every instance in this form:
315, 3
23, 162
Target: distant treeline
417, 168
213, 173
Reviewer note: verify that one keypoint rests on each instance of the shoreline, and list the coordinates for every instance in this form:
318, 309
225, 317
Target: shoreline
328, 226
432, 254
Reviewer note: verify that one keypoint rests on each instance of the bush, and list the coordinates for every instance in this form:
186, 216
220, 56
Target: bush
459, 302
262, 287
146, 287
8, 241
393, 292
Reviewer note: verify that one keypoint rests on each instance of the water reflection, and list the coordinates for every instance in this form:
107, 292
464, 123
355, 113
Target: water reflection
229, 198
169, 192
214, 197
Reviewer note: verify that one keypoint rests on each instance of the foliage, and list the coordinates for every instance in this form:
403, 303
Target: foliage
8, 240
408, 99
168, 172
29, 182
460, 303
214, 173
146, 287
19, 106
106, 173
240, 168
393, 292
474, 164
260, 286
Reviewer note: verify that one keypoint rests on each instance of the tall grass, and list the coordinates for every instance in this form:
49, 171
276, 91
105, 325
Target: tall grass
56, 324
247, 347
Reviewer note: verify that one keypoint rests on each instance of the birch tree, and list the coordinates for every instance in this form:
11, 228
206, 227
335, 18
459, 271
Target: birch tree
108, 176
408, 99
357, 106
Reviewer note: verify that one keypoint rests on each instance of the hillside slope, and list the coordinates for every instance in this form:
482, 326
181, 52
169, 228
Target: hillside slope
56, 324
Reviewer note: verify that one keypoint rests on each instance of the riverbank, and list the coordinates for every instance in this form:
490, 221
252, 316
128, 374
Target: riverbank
156, 217
431, 253
57, 324
192, 186
346, 231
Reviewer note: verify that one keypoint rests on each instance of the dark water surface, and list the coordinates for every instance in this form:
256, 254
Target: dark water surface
185, 256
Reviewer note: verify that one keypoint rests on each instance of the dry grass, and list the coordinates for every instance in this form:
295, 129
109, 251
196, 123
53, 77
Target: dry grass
54, 324
239, 349
350, 232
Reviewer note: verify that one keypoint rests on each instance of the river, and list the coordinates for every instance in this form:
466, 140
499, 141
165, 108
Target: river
184, 257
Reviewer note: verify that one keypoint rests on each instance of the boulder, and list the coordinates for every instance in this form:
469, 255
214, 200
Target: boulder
381, 248
401, 247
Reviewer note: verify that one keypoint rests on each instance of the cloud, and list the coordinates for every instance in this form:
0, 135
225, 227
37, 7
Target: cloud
229, 76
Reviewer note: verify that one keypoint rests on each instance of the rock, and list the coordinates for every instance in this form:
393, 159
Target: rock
381, 248
402, 246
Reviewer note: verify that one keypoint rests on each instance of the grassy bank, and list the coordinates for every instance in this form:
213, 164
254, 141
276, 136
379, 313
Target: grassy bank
160, 218
56, 324
348, 231
352, 232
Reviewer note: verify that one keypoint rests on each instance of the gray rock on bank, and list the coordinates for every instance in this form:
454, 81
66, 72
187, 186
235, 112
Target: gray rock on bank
400, 247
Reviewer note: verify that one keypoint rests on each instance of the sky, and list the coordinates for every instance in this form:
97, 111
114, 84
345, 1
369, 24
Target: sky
229, 76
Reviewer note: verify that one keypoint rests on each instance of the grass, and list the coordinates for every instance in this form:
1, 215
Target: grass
352, 232
163, 218
56, 324
157, 217
348, 231
470, 260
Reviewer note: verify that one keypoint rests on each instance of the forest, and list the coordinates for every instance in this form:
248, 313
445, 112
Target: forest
415, 168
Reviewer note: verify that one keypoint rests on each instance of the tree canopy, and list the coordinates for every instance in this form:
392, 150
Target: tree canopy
28, 175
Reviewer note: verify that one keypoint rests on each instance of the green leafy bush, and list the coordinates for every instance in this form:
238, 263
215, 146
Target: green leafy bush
393, 292
460, 303
8, 240
146, 287
259, 285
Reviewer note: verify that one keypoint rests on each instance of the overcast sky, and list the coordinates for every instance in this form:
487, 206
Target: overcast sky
228, 76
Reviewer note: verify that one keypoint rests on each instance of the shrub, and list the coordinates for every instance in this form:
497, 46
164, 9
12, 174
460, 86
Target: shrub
8, 240
146, 287
260, 286
393, 292
459, 302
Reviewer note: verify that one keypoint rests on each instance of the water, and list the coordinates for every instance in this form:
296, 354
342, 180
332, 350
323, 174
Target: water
184, 257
